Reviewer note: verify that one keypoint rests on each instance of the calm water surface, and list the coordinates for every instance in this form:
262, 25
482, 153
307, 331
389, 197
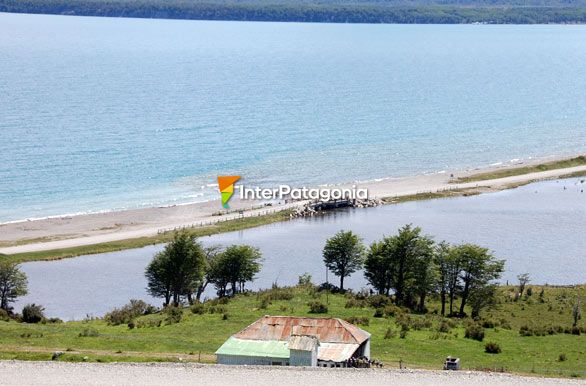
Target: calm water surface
112, 113
539, 228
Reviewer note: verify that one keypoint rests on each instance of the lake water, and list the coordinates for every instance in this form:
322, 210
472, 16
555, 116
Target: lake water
539, 229
111, 113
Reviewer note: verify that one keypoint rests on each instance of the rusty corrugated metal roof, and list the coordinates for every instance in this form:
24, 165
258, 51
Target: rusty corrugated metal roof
303, 342
327, 330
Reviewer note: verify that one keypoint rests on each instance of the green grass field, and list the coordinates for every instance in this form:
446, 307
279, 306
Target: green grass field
197, 336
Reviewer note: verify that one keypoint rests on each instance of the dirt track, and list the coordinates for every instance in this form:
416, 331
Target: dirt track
59, 373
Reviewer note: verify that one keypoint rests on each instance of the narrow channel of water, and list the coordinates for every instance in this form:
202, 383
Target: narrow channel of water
539, 228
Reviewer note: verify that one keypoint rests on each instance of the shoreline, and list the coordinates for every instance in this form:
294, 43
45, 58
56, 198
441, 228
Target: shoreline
152, 225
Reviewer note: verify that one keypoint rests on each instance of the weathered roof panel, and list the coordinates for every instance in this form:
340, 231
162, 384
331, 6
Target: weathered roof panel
303, 343
328, 330
258, 348
336, 352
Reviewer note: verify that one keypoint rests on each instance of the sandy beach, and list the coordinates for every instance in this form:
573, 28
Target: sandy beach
89, 229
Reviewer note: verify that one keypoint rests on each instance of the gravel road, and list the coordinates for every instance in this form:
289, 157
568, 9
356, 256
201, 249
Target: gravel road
60, 373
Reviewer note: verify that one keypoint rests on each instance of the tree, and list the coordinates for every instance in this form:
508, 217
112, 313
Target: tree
343, 255
377, 268
576, 313
479, 267
484, 296
13, 283
523, 280
442, 264
174, 272
235, 266
424, 275
211, 255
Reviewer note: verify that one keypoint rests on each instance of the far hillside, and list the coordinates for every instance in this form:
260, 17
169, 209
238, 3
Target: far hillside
325, 11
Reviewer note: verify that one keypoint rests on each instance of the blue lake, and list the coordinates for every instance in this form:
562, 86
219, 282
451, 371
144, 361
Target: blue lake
112, 113
539, 229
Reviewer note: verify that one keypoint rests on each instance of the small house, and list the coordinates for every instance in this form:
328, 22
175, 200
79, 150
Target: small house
296, 341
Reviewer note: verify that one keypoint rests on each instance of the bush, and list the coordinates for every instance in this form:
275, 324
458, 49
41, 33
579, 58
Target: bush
403, 334
149, 321
329, 287
276, 293
197, 309
174, 315
379, 313
317, 307
444, 326
492, 348
4, 315
575, 330
33, 313
358, 320
128, 312
474, 331
225, 316
392, 310
216, 310
355, 303
390, 333
89, 332
379, 301
562, 358
264, 304
304, 280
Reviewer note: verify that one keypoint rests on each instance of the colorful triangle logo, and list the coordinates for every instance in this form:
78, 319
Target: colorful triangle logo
226, 186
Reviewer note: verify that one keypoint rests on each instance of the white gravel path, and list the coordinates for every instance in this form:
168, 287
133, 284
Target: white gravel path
59, 373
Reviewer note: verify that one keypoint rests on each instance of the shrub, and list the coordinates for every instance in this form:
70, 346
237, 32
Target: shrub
317, 307
390, 333
379, 301
264, 304
216, 309
392, 310
276, 293
32, 313
378, 313
562, 357
492, 348
125, 314
4, 315
304, 280
444, 326
421, 323
355, 303
403, 334
488, 323
174, 315
89, 332
149, 321
358, 320
474, 331
575, 330
224, 316
197, 309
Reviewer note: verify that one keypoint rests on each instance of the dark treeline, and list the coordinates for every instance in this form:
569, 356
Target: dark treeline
370, 11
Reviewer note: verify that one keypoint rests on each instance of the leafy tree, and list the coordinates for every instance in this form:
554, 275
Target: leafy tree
235, 266
479, 267
211, 255
377, 267
33, 313
173, 272
442, 264
576, 313
484, 296
523, 280
13, 283
424, 271
343, 255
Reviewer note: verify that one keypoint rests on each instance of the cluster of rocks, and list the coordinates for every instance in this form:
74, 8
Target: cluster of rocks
319, 207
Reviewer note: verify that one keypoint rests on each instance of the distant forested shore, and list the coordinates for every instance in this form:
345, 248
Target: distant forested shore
325, 11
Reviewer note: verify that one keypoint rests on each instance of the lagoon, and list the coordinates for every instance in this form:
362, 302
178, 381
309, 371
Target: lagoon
538, 228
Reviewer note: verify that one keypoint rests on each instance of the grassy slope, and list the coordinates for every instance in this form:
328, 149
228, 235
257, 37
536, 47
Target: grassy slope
201, 335
517, 171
